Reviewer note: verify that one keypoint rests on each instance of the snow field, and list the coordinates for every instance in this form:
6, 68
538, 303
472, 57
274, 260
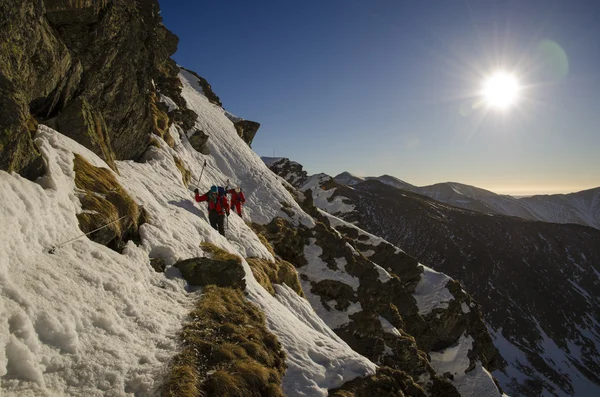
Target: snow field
85, 320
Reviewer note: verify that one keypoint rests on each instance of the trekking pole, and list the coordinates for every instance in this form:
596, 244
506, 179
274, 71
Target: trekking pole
201, 172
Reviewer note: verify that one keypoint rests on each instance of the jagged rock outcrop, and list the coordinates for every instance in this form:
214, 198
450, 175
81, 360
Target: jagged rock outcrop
291, 171
247, 129
89, 69
198, 140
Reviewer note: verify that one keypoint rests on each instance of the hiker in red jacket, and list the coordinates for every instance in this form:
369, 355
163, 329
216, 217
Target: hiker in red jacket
218, 207
237, 199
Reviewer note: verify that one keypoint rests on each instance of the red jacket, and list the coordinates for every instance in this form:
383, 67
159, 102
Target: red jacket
220, 205
236, 197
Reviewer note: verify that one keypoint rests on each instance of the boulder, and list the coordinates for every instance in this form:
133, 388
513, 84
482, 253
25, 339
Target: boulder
206, 271
198, 140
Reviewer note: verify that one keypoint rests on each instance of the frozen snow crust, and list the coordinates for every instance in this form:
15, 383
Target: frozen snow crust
88, 321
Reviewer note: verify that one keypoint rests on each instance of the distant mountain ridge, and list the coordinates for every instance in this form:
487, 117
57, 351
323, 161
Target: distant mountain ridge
580, 207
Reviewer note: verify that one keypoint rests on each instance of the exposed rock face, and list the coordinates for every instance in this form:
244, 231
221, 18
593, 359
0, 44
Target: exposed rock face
537, 282
158, 264
86, 68
247, 129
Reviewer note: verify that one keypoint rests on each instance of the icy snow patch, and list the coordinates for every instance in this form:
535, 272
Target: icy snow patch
388, 327
454, 360
317, 270
169, 102
317, 359
431, 292
321, 196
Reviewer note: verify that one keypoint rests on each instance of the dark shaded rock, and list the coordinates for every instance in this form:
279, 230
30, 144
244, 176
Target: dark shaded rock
92, 63
335, 290
186, 118
81, 123
198, 140
205, 271
247, 129
387, 382
32, 64
158, 264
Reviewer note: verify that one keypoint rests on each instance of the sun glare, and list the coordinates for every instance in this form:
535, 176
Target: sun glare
500, 90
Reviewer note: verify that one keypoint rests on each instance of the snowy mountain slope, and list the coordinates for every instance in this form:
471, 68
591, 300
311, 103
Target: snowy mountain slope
89, 321
544, 277
392, 181
265, 195
86, 320
50, 343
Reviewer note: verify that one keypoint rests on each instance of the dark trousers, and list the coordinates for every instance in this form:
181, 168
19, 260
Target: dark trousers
217, 221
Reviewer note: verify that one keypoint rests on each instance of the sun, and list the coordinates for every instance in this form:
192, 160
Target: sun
501, 90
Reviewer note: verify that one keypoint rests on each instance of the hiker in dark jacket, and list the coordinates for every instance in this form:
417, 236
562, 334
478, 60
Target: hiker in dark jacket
218, 207
237, 200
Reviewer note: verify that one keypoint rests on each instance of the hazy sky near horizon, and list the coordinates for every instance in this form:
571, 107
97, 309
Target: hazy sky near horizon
393, 87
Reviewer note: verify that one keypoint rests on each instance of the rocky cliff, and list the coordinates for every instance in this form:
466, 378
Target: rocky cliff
93, 70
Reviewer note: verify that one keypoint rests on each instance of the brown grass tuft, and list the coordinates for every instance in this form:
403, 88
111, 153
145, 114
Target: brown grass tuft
104, 200
226, 350
278, 272
160, 121
219, 253
186, 175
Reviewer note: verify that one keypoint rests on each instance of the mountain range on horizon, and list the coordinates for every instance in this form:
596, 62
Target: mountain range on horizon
581, 207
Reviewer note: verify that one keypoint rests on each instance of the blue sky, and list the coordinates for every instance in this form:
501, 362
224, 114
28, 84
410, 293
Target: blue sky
392, 87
